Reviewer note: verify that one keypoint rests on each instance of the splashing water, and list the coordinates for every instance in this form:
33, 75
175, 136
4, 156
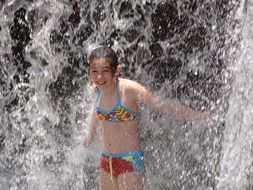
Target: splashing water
178, 49
236, 163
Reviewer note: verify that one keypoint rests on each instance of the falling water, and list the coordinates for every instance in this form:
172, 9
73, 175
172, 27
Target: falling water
236, 163
176, 48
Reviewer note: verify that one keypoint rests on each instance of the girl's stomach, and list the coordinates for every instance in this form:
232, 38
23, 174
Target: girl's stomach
120, 137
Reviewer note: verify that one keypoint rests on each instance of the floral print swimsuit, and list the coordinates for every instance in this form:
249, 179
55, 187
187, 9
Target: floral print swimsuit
118, 113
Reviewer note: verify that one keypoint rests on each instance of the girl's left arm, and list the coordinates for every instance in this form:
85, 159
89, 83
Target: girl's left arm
171, 108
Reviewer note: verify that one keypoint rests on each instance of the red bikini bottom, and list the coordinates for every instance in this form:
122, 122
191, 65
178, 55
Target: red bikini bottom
116, 164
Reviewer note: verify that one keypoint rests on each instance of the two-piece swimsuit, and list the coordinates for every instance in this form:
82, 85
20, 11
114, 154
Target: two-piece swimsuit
116, 164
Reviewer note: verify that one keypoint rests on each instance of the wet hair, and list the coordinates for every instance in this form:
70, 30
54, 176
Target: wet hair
107, 53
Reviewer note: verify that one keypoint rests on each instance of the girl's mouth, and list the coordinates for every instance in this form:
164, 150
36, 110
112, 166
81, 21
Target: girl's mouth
101, 83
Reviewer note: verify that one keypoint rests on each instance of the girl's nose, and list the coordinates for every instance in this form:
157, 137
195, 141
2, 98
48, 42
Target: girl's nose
100, 75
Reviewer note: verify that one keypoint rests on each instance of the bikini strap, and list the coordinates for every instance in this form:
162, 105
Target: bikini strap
98, 95
118, 92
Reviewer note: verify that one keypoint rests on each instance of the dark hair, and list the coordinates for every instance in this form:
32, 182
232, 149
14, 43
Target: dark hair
106, 53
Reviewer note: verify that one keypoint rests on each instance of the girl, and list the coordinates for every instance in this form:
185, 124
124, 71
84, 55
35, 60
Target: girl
117, 107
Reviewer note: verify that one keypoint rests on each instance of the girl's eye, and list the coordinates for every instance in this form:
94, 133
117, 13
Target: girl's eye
106, 71
93, 71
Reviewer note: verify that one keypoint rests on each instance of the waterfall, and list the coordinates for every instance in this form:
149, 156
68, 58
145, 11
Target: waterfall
236, 163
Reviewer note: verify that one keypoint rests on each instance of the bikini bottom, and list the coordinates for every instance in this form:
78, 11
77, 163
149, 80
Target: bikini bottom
116, 164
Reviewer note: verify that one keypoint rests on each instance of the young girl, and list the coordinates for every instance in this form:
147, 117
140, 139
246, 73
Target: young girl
118, 108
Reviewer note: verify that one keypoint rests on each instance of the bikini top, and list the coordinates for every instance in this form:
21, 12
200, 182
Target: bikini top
119, 113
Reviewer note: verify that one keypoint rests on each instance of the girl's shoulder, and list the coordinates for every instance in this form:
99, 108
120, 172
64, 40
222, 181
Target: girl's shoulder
130, 85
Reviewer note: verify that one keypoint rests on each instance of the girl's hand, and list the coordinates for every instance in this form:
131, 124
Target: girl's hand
209, 116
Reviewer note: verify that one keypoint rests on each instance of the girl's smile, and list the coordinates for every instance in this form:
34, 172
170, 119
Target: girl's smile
100, 83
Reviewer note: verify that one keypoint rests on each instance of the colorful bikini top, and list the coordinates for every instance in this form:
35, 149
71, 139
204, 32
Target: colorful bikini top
118, 113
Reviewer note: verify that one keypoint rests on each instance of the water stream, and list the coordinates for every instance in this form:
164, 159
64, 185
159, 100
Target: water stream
236, 163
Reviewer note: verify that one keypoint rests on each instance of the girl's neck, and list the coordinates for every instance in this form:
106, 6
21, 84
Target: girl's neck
111, 89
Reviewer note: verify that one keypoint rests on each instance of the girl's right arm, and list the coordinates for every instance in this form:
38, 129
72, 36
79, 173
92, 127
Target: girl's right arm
92, 130
93, 123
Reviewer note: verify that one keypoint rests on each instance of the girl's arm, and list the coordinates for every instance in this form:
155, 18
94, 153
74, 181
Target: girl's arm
92, 130
171, 108
93, 123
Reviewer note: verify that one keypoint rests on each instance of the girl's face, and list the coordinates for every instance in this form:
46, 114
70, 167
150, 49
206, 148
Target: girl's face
101, 73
